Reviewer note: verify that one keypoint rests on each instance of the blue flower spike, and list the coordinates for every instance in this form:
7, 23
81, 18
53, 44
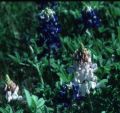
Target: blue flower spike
49, 30
67, 97
90, 18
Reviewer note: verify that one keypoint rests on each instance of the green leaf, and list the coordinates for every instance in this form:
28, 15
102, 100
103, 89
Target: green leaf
14, 58
95, 57
103, 112
34, 103
117, 11
2, 110
40, 102
28, 97
39, 111
46, 109
110, 50
50, 109
118, 51
107, 69
19, 111
35, 98
118, 28
102, 83
9, 109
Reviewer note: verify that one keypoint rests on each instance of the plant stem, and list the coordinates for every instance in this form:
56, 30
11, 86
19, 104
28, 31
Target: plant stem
91, 106
36, 66
40, 75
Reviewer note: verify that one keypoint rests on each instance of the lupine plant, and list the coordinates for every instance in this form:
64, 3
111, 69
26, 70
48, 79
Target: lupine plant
60, 57
48, 30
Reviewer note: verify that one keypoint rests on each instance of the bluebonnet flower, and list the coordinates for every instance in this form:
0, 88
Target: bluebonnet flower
76, 93
49, 30
63, 97
84, 78
63, 91
90, 18
68, 93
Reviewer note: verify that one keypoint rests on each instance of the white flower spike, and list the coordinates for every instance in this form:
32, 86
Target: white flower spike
11, 90
85, 72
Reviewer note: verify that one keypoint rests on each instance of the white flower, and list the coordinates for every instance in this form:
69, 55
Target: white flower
8, 96
92, 84
13, 95
85, 74
84, 88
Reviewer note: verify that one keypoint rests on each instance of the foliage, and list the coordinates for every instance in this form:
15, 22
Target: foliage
43, 77
9, 109
35, 105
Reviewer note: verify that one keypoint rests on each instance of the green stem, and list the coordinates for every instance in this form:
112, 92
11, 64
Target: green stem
36, 66
91, 106
40, 75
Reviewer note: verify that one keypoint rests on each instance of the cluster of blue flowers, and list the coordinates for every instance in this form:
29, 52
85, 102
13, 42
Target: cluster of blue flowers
49, 30
68, 94
90, 18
